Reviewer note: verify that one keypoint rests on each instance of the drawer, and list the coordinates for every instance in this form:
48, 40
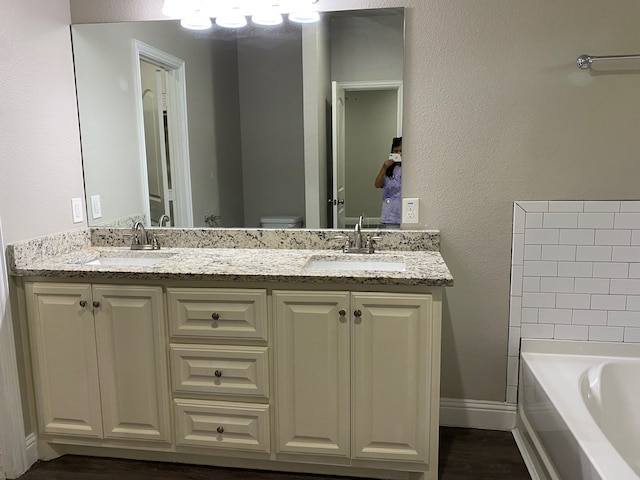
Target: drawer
220, 369
223, 425
218, 313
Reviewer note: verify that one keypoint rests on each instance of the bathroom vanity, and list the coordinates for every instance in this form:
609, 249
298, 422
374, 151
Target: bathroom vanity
243, 357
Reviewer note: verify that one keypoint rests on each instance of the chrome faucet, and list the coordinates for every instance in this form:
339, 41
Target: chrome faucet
358, 245
357, 240
164, 220
141, 239
140, 236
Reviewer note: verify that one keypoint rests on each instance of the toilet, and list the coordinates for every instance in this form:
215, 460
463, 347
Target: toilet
281, 221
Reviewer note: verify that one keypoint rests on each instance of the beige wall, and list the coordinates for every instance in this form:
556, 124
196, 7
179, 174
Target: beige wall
495, 111
40, 166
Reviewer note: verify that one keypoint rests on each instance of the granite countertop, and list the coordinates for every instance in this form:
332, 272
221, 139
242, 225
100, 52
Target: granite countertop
249, 255
426, 268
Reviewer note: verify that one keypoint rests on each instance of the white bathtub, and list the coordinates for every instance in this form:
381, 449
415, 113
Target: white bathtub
579, 409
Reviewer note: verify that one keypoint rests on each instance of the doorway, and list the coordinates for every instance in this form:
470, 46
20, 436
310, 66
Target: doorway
163, 129
365, 118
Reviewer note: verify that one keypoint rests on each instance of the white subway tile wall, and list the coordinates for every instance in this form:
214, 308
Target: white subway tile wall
575, 274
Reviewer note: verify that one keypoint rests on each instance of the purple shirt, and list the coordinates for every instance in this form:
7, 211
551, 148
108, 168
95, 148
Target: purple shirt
391, 197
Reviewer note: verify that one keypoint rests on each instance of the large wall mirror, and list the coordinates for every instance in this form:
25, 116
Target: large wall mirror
238, 128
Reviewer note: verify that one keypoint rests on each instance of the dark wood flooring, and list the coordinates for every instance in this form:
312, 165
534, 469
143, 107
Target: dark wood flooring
465, 454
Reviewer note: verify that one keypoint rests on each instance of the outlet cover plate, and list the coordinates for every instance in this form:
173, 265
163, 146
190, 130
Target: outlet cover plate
76, 210
96, 207
410, 210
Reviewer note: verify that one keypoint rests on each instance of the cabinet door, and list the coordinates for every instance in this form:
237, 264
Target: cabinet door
391, 339
312, 372
132, 360
65, 368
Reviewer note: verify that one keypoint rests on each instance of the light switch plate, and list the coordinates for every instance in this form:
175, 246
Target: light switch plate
96, 207
410, 210
76, 210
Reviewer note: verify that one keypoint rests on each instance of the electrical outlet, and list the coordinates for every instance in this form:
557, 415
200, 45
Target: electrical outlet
76, 210
96, 207
410, 210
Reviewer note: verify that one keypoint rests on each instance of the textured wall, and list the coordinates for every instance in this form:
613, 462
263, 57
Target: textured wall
496, 111
40, 165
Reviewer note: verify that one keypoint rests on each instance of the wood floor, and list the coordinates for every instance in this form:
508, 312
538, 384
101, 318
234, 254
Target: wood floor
465, 454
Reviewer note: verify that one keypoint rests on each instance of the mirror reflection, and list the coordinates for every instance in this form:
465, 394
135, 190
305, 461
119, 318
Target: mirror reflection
283, 126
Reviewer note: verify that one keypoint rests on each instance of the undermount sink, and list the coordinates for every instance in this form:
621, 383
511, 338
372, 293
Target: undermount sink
146, 259
357, 262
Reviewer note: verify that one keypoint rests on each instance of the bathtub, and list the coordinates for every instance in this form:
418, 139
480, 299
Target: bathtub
579, 409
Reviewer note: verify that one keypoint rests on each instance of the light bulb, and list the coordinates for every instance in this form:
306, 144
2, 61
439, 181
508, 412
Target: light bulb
268, 16
307, 15
231, 19
196, 21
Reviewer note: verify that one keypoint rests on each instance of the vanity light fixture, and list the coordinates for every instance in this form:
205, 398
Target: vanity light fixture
197, 14
196, 20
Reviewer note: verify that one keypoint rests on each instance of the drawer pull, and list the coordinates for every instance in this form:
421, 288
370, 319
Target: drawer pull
342, 312
82, 303
218, 373
215, 316
357, 314
220, 429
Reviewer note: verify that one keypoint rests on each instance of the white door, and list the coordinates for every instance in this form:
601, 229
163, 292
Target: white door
338, 102
155, 137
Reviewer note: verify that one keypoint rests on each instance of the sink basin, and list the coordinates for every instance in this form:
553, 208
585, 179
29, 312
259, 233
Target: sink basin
146, 259
377, 263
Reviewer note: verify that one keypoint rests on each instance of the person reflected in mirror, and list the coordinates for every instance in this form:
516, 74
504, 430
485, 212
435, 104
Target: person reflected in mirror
389, 180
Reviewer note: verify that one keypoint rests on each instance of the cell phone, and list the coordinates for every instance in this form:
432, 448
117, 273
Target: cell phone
396, 157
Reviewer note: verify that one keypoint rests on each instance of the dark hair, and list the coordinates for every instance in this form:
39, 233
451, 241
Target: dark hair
396, 142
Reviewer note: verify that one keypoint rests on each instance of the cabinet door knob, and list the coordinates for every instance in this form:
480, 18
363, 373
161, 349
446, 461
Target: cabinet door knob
218, 373
82, 303
96, 304
215, 316
342, 312
220, 429
357, 314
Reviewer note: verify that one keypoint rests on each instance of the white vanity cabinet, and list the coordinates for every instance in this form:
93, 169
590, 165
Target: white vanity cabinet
99, 361
220, 369
319, 381
357, 375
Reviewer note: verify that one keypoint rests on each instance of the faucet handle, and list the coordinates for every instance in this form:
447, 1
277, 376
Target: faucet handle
154, 236
127, 236
135, 240
371, 242
344, 238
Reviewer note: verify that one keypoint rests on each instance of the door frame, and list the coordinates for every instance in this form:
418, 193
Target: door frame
177, 129
356, 86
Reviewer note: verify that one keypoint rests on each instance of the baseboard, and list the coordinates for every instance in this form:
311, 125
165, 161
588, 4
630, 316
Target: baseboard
477, 414
528, 456
31, 442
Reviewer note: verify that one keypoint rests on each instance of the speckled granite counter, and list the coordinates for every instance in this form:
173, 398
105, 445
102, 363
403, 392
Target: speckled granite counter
253, 259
